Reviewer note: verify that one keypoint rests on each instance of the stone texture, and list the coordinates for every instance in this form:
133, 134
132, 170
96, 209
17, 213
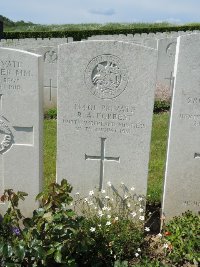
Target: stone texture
105, 106
165, 68
50, 58
182, 175
21, 122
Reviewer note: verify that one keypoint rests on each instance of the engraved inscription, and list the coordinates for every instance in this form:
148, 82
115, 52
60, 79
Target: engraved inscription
50, 56
192, 203
119, 119
6, 137
11, 74
193, 118
106, 76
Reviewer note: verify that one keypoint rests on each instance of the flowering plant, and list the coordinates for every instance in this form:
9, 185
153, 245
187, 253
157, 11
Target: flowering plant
113, 225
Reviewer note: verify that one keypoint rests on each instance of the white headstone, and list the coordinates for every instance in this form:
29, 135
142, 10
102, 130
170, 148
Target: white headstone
165, 68
50, 58
21, 125
105, 106
182, 176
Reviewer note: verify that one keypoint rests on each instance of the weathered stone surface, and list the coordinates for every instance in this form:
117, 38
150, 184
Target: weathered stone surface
105, 105
50, 58
165, 68
182, 176
21, 125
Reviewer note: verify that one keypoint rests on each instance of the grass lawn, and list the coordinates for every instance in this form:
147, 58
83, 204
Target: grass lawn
157, 155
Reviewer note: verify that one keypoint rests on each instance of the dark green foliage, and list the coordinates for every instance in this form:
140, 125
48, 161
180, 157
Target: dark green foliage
51, 114
47, 238
183, 238
78, 35
161, 106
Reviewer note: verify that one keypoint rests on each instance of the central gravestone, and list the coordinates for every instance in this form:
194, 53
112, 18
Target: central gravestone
20, 125
105, 106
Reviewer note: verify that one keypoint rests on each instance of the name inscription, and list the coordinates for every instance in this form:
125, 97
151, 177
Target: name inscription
104, 119
11, 73
192, 203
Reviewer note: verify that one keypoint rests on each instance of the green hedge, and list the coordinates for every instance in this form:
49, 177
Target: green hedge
83, 34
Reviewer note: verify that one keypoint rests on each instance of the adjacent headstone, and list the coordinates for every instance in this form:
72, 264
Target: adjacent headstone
21, 125
50, 58
182, 176
165, 68
105, 106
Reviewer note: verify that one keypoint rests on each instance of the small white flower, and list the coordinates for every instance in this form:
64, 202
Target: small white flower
71, 204
141, 218
103, 191
108, 216
147, 229
95, 208
139, 250
108, 208
109, 183
91, 193
159, 235
125, 196
99, 225
77, 193
116, 218
92, 229
133, 213
165, 245
141, 210
132, 188
140, 199
128, 205
85, 199
122, 183
108, 223
104, 208
137, 254
100, 213
107, 197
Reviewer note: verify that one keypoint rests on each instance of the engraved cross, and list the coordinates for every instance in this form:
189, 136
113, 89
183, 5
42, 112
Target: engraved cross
50, 86
102, 158
10, 136
171, 79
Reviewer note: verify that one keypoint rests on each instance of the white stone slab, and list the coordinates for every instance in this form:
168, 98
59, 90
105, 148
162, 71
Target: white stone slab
182, 177
165, 68
50, 58
105, 106
21, 120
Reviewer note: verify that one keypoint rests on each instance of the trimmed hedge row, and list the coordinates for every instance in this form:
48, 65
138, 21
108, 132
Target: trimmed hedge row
83, 34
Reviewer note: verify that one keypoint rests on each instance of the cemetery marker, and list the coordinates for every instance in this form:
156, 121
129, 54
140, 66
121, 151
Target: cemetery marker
105, 95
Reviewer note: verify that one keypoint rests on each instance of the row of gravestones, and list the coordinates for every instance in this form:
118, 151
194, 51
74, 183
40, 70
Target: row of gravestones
105, 107
165, 43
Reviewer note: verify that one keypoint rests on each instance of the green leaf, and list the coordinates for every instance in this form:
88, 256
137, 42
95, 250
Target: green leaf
58, 256
20, 251
50, 251
7, 250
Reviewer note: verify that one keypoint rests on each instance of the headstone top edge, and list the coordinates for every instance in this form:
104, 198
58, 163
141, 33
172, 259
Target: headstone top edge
105, 41
20, 51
